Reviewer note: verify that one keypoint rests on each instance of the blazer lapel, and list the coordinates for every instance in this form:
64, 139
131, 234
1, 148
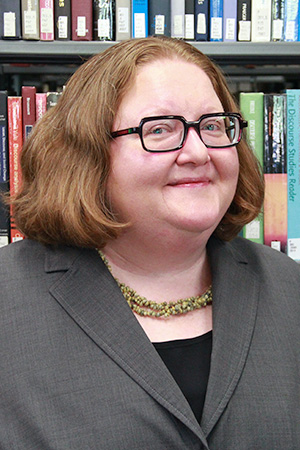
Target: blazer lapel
90, 295
235, 294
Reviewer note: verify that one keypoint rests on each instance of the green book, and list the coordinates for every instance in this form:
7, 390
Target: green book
252, 109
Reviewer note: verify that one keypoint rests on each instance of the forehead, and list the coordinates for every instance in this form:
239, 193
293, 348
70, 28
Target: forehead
169, 86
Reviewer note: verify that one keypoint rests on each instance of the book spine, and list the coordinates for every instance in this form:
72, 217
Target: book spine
4, 170
62, 20
275, 205
291, 20
103, 16
216, 20
229, 20
160, 17
278, 13
40, 105
140, 18
293, 172
10, 19
52, 99
252, 109
82, 20
261, 20
30, 19
202, 19
123, 20
28, 109
177, 18
46, 20
189, 20
244, 20
15, 142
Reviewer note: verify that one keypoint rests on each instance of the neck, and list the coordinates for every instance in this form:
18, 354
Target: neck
161, 265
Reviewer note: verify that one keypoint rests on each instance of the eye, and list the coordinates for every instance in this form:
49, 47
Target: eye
158, 129
213, 125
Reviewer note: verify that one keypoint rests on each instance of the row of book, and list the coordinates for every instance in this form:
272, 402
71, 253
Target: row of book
18, 114
200, 20
274, 135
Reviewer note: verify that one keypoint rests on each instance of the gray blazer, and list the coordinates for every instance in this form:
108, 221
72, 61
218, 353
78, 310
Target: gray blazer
79, 373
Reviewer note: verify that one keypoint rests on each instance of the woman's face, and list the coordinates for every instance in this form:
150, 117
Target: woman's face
188, 189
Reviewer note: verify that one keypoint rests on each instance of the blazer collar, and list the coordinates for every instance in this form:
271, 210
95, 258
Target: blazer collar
90, 295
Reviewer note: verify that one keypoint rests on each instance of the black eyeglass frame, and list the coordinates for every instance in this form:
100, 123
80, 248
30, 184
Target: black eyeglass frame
187, 125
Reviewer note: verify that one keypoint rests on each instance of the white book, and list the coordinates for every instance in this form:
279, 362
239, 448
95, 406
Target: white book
261, 20
177, 18
123, 19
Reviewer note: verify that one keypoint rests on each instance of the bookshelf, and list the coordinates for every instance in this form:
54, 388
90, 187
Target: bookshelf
75, 52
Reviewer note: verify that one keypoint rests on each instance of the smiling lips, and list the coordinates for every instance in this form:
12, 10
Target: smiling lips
190, 182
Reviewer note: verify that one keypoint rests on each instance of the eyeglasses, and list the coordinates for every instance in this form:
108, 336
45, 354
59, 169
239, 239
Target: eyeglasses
168, 133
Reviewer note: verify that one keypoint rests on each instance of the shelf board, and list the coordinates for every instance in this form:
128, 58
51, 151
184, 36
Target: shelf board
76, 52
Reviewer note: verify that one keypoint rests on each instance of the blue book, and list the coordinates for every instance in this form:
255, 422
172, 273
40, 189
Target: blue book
229, 20
202, 20
139, 18
216, 20
293, 171
291, 19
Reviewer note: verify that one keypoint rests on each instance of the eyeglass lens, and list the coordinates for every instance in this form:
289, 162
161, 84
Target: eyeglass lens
167, 134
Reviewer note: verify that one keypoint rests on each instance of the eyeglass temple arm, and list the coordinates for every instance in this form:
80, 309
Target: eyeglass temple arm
115, 134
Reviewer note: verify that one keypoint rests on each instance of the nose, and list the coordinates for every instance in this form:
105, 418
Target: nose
194, 151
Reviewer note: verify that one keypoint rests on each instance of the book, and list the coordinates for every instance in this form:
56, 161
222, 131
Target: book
277, 25
40, 105
30, 19
291, 19
46, 20
123, 19
103, 20
229, 20
202, 18
189, 20
252, 109
293, 173
10, 19
177, 18
52, 99
4, 171
82, 20
216, 20
159, 17
244, 20
275, 174
15, 143
28, 109
139, 18
261, 20
62, 20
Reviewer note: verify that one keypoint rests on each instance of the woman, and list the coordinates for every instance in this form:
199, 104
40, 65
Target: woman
134, 318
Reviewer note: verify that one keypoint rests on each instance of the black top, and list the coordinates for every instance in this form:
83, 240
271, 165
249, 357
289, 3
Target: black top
188, 360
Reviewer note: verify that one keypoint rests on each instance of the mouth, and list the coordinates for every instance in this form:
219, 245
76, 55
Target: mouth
190, 182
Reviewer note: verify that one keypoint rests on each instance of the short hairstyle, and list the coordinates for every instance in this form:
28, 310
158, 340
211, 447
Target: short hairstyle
66, 160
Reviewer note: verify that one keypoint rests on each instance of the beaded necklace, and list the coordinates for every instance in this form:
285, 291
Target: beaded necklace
143, 307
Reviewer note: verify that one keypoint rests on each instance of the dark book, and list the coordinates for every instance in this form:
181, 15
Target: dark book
244, 20
82, 20
4, 171
10, 19
30, 19
277, 17
62, 20
202, 14
159, 17
103, 14
52, 99
189, 24
275, 174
